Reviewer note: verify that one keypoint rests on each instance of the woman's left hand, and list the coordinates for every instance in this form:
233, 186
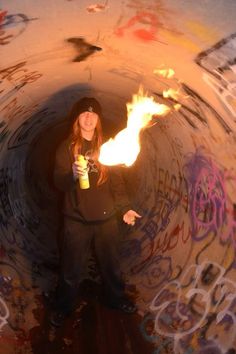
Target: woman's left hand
130, 216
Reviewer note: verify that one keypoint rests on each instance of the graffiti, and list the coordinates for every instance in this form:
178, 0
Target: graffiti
174, 317
161, 197
147, 330
14, 238
20, 76
200, 141
219, 61
146, 18
4, 132
210, 208
4, 39
83, 48
25, 133
172, 238
12, 110
170, 193
208, 197
225, 90
197, 112
11, 73
172, 188
20, 212
4, 313
24, 215
219, 56
12, 26
155, 272
127, 74
4, 196
153, 240
5, 285
97, 7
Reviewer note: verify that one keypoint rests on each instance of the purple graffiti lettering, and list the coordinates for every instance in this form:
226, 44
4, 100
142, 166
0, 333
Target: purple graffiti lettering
210, 206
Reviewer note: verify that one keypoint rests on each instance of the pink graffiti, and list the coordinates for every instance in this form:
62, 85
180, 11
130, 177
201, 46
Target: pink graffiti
2, 16
4, 39
142, 33
210, 205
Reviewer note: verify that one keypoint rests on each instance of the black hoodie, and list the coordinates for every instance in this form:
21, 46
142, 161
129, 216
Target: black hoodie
97, 203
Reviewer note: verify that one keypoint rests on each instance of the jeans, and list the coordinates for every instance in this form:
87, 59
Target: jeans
75, 253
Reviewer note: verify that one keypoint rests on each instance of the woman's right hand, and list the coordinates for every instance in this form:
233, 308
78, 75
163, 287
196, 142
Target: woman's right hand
78, 170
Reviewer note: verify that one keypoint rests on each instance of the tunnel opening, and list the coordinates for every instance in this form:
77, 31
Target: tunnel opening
178, 260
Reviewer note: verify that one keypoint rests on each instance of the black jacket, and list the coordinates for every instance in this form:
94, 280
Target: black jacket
97, 203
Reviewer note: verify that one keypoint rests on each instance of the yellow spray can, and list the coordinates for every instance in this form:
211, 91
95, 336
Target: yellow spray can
83, 179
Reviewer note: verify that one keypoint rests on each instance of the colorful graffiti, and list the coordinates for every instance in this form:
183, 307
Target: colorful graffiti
143, 33
12, 26
211, 210
4, 313
219, 62
175, 316
181, 254
13, 79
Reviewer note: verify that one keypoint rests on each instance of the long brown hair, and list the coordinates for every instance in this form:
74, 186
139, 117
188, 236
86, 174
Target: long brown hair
97, 140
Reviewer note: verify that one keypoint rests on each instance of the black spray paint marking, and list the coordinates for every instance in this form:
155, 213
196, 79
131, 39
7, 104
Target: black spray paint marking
83, 48
27, 130
219, 62
219, 56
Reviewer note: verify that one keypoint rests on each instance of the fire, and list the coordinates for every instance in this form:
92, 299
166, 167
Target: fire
177, 106
167, 73
171, 93
125, 147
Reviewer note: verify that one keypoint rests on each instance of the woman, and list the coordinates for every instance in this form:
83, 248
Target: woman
89, 213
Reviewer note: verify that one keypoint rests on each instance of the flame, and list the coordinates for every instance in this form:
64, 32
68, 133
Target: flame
125, 147
177, 106
171, 93
167, 73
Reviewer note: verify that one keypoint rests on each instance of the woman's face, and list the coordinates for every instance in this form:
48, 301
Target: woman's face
87, 122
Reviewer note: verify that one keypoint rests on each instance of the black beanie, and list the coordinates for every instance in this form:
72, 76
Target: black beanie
89, 104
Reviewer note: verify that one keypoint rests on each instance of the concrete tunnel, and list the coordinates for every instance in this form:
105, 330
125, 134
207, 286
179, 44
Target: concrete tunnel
179, 259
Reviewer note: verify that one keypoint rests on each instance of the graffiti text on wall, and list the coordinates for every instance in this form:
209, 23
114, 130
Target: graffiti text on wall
13, 79
211, 209
220, 63
185, 306
148, 34
11, 26
4, 313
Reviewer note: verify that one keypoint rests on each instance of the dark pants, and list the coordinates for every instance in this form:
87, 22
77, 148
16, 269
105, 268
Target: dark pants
75, 252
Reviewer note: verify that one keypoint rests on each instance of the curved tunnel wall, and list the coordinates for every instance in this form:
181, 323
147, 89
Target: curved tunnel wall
181, 255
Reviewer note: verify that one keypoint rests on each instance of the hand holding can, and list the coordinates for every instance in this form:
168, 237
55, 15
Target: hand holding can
80, 171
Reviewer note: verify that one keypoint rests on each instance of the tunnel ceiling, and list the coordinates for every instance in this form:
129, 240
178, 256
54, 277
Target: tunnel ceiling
53, 52
51, 48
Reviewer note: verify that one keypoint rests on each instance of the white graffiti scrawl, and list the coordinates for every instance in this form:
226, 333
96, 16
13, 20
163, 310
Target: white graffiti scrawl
4, 314
175, 316
220, 63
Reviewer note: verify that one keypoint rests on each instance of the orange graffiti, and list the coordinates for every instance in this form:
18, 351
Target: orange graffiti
142, 33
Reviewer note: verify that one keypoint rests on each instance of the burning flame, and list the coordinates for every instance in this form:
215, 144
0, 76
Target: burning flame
171, 93
125, 147
177, 106
167, 73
